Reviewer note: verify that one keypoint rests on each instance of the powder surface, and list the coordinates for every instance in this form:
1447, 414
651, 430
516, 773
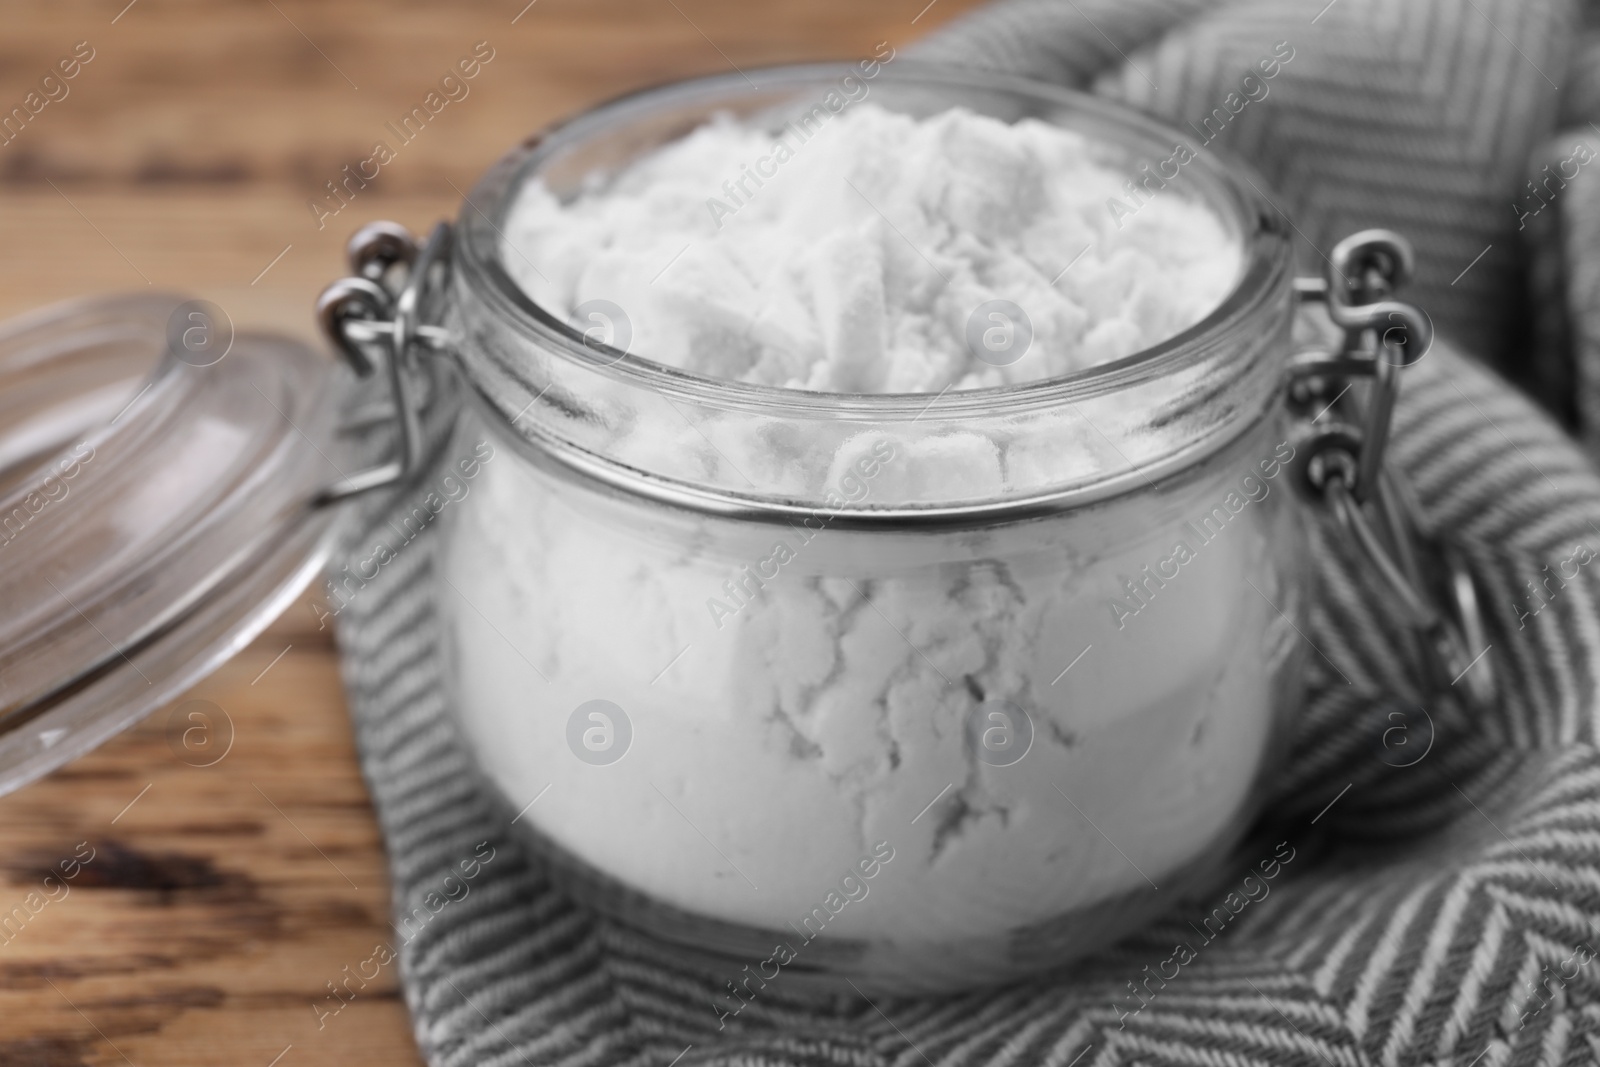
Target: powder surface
876, 253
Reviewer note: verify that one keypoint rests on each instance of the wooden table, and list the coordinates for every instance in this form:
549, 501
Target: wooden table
221, 899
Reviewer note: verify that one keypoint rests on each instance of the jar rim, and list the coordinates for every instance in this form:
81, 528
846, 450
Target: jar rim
1266, 253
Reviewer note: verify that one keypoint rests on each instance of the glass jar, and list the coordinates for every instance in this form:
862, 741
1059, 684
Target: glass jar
916, 691
922, 691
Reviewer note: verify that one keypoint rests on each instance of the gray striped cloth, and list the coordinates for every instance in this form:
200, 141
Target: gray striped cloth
1442, 912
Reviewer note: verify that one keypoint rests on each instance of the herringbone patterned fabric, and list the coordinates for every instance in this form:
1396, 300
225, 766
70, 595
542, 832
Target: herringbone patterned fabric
1440, 913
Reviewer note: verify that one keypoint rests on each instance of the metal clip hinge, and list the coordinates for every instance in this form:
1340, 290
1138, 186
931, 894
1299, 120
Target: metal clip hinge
372, 324
1343, 466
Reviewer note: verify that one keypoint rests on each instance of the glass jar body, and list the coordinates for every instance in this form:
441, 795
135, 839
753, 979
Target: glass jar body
917, 758
916, 692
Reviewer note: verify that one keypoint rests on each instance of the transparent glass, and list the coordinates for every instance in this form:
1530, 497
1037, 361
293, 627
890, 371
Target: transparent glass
797, 683
154, 513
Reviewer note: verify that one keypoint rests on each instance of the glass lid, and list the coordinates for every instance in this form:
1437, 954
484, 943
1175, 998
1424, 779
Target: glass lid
157, 474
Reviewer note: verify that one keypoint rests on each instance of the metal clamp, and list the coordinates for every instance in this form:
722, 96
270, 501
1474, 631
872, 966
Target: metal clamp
1342, 466
374, 321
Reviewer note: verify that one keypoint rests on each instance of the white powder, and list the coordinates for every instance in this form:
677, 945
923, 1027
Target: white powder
859, 265
839, 705
781, 727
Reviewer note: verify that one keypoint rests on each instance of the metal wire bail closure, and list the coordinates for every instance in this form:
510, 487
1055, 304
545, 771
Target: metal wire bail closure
375, 322
1341, 463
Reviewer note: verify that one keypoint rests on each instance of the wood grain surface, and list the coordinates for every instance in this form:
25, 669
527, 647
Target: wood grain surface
220, 900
